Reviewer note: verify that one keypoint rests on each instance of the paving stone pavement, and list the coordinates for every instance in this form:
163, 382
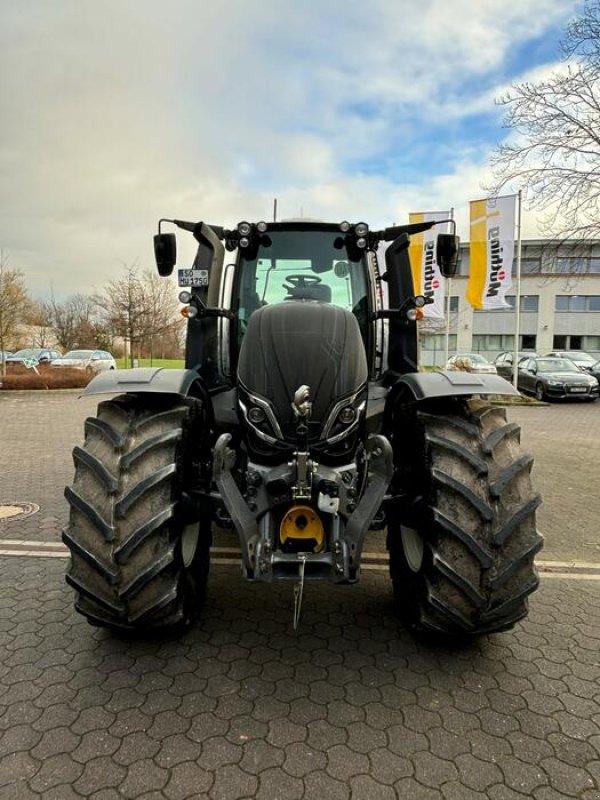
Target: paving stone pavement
349, 706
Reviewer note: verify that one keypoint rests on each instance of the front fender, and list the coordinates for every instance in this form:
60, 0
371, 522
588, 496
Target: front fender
429, 385
157, 380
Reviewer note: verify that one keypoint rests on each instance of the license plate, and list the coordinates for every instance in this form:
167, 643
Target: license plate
193, 277
578, 389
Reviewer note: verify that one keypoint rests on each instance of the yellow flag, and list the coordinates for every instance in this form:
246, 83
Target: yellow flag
427, 278
492, 251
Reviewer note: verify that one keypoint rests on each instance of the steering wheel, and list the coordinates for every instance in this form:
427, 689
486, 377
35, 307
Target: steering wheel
301, 281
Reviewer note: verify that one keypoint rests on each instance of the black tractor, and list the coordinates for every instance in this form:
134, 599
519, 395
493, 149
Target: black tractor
302, 422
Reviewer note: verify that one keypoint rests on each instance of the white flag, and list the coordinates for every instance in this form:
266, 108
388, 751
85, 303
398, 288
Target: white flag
427, 278
492, 251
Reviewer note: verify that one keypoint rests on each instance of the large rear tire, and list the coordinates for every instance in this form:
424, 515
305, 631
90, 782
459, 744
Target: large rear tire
137, 562
462, 540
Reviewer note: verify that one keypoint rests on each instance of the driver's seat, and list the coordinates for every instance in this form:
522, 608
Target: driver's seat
320, 292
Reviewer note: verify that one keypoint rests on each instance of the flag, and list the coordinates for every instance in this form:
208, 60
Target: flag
492, 250
427, 278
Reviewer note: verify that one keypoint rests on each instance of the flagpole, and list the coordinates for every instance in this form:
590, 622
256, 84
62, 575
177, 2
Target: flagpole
448, 284
517, 295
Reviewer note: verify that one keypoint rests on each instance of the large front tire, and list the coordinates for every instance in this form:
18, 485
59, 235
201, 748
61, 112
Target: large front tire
137, 561
462, 542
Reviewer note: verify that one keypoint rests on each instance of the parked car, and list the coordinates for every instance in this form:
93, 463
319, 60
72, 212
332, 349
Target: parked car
90, 360
470, 362
40, 355
549, 377
4, 354
580, 358
504, 362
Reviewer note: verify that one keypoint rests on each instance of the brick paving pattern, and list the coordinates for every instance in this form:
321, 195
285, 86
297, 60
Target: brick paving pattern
242, 706
349, 706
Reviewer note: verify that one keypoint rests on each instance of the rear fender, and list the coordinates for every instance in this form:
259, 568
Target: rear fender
155, 380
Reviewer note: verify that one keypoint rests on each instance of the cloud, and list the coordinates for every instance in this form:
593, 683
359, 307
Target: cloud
114, 116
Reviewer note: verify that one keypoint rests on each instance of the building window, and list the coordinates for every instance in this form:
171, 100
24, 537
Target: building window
577, 303
486, 342
571, 265
528, 341
529, 265
437, 342
576, 342
493, 342
529, 302
453, 303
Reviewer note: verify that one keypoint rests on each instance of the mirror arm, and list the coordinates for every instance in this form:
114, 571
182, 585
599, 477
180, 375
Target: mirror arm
212, 311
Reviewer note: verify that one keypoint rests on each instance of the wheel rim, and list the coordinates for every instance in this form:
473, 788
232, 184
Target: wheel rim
539, 392
189, 543
413, 546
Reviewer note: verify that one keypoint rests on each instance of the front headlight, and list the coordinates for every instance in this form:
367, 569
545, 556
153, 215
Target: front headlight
344, 418
260, 417
554, 383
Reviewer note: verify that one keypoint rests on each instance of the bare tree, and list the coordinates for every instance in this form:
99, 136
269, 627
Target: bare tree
74, 322
554, 153
40, 321
163, 311
14, 303
139, 307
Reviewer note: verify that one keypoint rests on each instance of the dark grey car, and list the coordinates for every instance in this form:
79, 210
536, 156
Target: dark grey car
549, 378
580, 358
504, 362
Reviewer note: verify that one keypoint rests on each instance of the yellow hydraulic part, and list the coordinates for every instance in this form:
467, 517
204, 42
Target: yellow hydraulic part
302, 522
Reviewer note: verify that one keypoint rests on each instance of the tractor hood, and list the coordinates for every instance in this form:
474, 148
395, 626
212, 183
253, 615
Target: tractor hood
302, 342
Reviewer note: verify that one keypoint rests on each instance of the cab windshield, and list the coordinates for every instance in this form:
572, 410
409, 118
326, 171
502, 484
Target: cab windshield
302, 265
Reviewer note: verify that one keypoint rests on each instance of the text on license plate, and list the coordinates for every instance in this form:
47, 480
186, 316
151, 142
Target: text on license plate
578, 389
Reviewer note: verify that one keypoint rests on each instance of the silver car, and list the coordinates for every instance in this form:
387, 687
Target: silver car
90, 360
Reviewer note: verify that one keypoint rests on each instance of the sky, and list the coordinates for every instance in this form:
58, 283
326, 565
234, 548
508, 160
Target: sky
117, 113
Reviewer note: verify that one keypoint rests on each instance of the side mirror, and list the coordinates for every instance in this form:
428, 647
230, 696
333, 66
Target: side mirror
165, 253
447, 253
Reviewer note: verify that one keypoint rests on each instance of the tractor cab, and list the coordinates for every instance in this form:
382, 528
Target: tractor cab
313, 263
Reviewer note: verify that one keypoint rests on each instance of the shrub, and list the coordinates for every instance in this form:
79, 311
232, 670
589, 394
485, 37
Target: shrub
20, 377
